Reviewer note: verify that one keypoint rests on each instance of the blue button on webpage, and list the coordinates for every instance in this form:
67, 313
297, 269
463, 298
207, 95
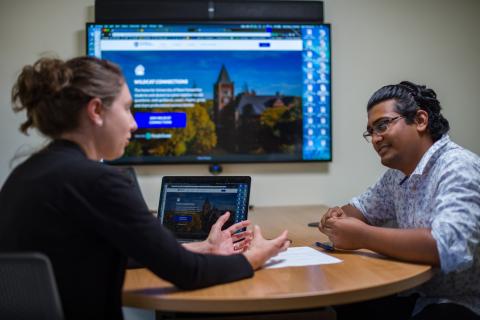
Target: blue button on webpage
152, 120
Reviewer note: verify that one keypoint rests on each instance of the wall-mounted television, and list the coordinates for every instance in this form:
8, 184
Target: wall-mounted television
223, 92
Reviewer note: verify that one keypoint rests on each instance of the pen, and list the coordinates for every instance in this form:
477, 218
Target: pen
325, 245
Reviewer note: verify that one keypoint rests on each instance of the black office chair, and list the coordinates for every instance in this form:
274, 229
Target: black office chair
27, 288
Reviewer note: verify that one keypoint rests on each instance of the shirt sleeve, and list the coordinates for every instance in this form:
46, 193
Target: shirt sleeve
376, 204
117, 211
456, 226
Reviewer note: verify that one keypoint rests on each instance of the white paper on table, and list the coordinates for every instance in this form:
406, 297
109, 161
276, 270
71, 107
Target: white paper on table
298, 257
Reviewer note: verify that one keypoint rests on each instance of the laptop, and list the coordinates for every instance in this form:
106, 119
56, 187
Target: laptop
190, 205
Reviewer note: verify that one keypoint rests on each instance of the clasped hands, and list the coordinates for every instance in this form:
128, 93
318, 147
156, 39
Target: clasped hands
344, 232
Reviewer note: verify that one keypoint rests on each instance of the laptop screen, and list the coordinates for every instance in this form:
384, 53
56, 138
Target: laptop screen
189, 206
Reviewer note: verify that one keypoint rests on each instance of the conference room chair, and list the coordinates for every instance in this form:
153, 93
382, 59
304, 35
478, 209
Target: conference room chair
27, 288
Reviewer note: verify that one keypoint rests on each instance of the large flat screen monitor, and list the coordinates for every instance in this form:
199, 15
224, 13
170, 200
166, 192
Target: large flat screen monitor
223, 92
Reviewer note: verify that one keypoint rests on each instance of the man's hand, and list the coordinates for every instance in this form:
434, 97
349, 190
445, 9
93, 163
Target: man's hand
226, 242
345, 232
262, 249
335, 212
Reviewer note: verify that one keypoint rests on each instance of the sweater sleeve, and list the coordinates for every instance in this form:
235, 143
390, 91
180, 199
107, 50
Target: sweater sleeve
115, 209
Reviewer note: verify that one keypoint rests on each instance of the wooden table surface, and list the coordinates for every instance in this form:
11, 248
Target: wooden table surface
362, 275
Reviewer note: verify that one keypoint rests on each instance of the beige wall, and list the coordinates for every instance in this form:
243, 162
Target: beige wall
375, 42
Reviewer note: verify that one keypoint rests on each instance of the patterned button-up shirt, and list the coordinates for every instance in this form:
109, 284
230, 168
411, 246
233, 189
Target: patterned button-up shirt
442, 194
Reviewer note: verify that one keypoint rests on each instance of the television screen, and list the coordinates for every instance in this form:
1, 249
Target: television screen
223, 92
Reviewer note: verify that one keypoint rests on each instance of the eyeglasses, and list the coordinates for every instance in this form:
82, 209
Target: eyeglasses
379, 127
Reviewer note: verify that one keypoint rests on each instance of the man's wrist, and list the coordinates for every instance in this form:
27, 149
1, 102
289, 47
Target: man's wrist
366, 236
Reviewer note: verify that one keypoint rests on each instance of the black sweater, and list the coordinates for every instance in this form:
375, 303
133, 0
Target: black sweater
87, 217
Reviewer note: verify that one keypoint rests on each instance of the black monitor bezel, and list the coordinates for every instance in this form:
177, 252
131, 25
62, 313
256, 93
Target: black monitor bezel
161, 160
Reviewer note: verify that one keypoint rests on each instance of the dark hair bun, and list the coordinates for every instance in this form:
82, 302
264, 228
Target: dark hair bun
37, 85
426, 98
52, 92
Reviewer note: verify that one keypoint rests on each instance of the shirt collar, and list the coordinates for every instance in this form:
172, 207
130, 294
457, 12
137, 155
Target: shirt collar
431, 155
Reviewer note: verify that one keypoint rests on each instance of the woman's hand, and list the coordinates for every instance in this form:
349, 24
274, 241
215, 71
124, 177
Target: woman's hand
223, 242
228, 241
262, 249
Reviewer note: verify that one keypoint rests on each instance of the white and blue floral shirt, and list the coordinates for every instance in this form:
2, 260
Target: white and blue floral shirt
442, 194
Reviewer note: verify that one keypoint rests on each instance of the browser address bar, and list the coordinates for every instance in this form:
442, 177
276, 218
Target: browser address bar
191, 34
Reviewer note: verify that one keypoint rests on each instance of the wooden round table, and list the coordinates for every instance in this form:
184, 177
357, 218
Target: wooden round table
362, 275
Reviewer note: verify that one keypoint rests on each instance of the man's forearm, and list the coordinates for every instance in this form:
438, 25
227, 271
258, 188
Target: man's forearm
414, 245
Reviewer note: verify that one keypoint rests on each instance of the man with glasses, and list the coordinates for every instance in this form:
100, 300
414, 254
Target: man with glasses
431, 192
